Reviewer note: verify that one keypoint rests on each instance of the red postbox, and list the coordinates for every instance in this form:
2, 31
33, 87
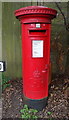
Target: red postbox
35, 24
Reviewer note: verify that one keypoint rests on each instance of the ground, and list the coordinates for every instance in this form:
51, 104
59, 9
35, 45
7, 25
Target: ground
12, 99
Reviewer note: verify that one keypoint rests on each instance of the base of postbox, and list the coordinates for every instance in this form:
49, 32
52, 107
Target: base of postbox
36, 104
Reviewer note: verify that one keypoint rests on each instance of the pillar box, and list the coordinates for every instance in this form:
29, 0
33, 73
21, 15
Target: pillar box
36, 28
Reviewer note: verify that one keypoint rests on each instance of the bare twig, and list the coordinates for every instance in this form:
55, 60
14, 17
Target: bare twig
65, 23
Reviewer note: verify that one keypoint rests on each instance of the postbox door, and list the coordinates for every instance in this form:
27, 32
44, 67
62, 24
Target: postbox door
36, 57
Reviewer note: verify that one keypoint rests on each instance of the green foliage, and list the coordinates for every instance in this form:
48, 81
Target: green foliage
5, 82
49, 113
28, 114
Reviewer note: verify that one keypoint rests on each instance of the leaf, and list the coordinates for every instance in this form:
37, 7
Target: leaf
34, 117
22, 116
22, 110
25, 106
35, 111
49, 113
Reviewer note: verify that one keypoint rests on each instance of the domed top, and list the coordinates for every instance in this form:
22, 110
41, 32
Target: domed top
35, 10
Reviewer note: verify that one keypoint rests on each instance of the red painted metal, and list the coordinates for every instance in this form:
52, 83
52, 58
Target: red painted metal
35, 70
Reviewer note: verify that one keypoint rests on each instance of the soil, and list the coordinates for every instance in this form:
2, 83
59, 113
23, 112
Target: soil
12, 100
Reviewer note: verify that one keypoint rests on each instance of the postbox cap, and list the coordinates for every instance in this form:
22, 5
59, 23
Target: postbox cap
35, 10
